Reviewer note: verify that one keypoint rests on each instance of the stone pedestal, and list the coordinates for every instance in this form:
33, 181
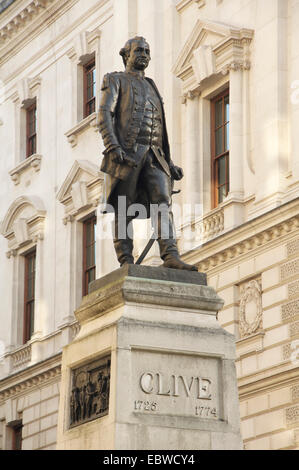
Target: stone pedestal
151, 367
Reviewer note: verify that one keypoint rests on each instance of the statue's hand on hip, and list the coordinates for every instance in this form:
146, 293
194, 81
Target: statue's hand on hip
176, 172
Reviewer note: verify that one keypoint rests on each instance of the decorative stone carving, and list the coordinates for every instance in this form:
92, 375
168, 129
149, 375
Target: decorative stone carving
290, 269
83, 45
76, 327
20, 228
295, 392
26, 89
23, 223
200, 3
32, 162
203, 62
21, 357
293, 247
21, 19
81, 189
30, 383
289, 310
79, 194
293, 289
294, 329
212, 48
90, 392
292, 414
250, 315
210, 226
286, 351
249, 244
88, 122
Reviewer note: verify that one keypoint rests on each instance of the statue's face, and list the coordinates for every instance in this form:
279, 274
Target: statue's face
140, 56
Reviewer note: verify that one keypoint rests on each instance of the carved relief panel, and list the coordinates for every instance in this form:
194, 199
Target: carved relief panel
250, 310
89, 398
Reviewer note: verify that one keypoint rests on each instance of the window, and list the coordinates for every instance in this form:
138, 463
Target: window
89, 88
89, 252
220, 147
30, 261
17, 437
31, 130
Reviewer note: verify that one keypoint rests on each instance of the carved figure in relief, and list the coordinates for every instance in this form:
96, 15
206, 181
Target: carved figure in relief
105, 392
77, 404
90, 392
83, 402
73, 407
137, 155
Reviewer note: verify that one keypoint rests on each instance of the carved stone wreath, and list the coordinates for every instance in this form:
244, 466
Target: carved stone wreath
251, 312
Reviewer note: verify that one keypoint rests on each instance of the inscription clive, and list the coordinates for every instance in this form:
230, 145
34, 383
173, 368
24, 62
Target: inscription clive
176, 386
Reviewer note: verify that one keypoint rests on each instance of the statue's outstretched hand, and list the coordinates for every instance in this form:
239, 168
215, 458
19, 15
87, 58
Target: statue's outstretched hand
176, 172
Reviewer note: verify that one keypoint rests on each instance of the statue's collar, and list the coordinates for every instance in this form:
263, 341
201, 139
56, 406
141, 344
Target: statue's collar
137, 74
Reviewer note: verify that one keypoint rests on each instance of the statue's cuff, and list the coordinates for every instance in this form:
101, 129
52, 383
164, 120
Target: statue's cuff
111, 148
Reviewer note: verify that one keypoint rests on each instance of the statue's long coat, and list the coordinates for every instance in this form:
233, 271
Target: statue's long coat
123, 99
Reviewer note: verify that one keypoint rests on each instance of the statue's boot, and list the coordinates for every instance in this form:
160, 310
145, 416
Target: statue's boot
123, 244
127, 260
173, 261
168, 244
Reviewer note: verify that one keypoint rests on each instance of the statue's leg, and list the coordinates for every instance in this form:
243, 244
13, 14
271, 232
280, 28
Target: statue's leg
158, 185
123, 241
124, 195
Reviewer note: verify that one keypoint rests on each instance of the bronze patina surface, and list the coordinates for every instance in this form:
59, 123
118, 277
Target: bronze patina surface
137, 155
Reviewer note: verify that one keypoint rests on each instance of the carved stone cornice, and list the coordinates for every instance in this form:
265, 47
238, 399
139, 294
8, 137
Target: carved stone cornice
249, 244
32, 162
22, 18
89, 122
28, 379
191, 95
254, 235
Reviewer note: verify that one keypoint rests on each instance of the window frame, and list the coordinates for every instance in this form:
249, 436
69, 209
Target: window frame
28, 324
17, 433
215, 158
31, 150
91, 219
88, 68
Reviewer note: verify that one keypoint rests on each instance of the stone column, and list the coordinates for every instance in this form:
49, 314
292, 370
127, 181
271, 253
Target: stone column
18, 126
15, 322
236, 133
158, 368
71, 271
233, 205
191, 151
39, 298
191, 183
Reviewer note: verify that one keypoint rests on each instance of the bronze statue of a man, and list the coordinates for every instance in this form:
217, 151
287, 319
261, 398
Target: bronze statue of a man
137, 156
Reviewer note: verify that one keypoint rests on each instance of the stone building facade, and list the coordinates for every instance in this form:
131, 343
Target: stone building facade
228, 71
